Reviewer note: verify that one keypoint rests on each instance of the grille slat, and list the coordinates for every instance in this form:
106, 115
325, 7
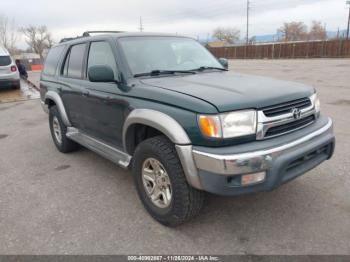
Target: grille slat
284, 108
286, 128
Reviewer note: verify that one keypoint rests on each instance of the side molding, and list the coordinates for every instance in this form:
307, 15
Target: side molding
58, 101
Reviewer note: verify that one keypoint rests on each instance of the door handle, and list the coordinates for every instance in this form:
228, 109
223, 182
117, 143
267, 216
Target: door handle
85, 93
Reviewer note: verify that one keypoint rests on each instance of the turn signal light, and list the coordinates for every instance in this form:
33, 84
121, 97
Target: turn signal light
210, 126
13, 68
252, 179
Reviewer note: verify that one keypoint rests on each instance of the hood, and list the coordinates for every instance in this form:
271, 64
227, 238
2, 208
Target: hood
229, 91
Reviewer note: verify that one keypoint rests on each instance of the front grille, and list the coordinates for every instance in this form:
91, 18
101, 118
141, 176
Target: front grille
289, 127
285, 108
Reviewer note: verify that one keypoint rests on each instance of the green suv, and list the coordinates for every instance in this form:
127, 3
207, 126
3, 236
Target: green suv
164, 107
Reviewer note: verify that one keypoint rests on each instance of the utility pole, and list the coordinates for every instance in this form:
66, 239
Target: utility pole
248, 7
141, 26
347, 32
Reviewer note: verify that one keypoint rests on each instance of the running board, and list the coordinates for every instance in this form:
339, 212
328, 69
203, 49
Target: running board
120, 158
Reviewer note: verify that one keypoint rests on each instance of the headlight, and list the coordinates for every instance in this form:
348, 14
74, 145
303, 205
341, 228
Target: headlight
316, 103
228, 125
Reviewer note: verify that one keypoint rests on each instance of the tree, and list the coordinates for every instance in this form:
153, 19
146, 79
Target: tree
293, 31
8, 33
38, 38
227, 34
317, 31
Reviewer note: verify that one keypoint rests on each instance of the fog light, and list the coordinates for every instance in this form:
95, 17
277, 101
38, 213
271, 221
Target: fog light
255, 178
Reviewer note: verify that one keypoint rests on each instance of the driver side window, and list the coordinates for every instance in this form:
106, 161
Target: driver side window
101, 53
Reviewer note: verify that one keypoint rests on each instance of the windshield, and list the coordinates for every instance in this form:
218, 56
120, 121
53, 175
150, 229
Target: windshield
145, 54
5, 60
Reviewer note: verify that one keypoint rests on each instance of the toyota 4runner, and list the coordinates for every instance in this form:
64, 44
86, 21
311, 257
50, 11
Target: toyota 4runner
164, 107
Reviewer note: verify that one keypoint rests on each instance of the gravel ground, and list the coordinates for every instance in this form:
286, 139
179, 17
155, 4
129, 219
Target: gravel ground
80, 203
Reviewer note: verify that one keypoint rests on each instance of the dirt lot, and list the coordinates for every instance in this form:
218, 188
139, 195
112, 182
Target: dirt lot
80, 203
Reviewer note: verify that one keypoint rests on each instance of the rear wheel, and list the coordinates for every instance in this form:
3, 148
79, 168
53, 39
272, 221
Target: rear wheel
161, 183
58, 132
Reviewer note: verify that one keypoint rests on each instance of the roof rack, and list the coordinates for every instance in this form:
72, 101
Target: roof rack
87, 34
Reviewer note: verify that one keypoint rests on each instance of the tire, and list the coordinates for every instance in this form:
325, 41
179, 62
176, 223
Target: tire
63, 144
17, 85
186, 201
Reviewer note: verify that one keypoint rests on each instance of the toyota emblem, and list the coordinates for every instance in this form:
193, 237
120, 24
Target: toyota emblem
296, 113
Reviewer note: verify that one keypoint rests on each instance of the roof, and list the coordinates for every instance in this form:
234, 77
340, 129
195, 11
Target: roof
3, 51
217, 44
27, 56
118, 35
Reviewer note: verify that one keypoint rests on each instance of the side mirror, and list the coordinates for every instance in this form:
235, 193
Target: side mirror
101, 73
223, 62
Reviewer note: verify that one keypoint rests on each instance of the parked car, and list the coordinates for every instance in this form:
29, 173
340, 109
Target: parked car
164, 107
9, 75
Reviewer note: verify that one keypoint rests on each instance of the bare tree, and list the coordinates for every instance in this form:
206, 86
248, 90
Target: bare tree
8, 33
293, 31
317, 31
227, 34
38, 38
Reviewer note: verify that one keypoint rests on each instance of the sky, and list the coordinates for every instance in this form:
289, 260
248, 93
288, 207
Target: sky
196, 18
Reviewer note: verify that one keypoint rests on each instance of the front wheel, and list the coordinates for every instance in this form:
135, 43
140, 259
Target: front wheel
161, 183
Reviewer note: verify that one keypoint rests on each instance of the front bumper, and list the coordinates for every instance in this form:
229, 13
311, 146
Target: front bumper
219, 170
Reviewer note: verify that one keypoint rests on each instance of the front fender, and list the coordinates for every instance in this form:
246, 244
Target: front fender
158, 120
174, 131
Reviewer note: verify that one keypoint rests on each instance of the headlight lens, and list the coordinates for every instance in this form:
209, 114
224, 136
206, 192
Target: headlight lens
316, 103
229, 125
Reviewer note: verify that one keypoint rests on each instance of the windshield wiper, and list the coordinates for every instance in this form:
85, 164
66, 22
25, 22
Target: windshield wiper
164, 72
202, 68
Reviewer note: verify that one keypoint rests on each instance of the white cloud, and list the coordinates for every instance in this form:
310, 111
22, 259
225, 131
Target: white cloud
195, 17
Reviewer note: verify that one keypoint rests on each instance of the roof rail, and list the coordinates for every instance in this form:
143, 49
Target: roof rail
87, 33
69, 39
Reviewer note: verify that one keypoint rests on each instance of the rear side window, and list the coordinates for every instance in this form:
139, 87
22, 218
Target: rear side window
101, 54
5, 60
73, 66
52, 59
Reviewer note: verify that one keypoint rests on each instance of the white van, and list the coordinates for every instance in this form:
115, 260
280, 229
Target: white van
9, 75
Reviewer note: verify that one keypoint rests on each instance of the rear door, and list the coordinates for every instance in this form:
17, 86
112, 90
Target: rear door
72, 84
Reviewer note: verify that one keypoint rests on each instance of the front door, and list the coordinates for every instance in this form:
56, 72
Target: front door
104, 105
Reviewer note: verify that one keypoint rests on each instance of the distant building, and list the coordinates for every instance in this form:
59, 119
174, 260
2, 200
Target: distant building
218, 44
31, 61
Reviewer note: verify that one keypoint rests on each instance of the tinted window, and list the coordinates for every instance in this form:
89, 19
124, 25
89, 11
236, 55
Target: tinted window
52, 60
101, 54
5, 60
75, 62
